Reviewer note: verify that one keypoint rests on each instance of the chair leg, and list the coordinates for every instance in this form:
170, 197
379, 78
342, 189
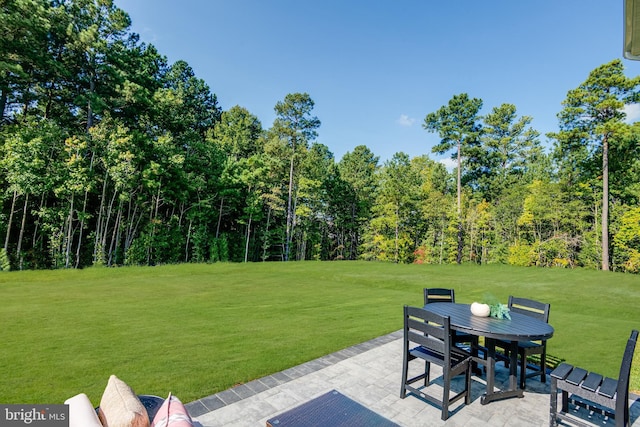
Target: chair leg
543, 366
427, 372
445, 397
621, 412
565, 401
467, 398
405, 368
553, 407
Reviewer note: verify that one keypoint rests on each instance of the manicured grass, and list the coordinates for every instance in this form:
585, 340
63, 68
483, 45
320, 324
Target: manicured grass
198, 329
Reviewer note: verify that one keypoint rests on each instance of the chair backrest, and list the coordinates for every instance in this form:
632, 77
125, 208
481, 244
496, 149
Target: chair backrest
427, 329
438, 295
625, 367
529, 307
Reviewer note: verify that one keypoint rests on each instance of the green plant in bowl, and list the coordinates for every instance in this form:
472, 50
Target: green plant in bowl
496, 308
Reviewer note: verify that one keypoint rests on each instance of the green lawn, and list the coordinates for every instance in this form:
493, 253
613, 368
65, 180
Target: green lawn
198, 329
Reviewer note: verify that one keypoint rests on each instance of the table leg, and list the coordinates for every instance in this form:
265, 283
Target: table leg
513, 367
513, 390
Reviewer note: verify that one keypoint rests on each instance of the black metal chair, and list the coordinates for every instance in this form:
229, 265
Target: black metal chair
609, 396
537, 310
432, 295
427, 337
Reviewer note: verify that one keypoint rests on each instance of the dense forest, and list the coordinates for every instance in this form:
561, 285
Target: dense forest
110, 155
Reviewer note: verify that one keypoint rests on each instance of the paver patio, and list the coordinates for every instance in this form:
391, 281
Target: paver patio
370, 373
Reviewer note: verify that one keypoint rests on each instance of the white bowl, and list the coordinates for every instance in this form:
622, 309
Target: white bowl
480, 310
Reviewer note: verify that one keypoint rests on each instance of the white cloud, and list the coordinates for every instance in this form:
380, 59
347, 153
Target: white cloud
633, 112
449, 163
405, 120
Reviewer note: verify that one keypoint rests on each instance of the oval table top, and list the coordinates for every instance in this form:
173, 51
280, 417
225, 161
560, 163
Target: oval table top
520, 328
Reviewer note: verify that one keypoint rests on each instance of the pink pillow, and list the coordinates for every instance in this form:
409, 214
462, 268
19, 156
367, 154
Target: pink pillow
172, 413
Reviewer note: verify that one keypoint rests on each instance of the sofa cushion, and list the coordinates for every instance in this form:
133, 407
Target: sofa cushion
121, 407
81, 412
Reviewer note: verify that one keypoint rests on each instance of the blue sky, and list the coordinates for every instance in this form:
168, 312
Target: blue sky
376, 68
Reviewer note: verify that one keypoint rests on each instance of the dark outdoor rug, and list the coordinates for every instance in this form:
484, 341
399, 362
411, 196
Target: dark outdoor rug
331, 409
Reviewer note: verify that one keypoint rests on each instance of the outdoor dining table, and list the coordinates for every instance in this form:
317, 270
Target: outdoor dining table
519, 328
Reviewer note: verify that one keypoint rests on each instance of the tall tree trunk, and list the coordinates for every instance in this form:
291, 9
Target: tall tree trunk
460, 242
113, 245
25, 105
396, 235
13, 206
472, 236
353, 236
98, 251
67, 246
22, 226
596, 243
105, 227
36, 224
133, 223
265, 243
294, 221
154, 217
459, 183
289, 230
248, 235
302, 250
605, 204
83, 216
3, 105
50, 85
131, 228
92, 89
219, 217
186, 245
119, 237
84, 211
485, 250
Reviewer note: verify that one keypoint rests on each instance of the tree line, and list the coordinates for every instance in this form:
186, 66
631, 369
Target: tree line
110, 155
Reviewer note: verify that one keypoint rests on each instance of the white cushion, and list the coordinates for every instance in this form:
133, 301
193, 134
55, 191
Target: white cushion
81, 412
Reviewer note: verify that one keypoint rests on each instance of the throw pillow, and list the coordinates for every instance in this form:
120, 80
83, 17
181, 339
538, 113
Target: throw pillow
172, 413
120, 406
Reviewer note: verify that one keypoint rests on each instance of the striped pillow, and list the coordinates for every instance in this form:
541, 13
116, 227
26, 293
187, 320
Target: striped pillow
172, 413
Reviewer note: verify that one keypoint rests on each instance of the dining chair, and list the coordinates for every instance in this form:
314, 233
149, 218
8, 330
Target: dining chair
427, 337
593, 391
432, 295
537, 310
439, 295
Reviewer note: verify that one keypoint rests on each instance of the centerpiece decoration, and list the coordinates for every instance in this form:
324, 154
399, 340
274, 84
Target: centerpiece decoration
500, 311
479, 309
490, 307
